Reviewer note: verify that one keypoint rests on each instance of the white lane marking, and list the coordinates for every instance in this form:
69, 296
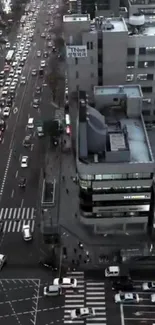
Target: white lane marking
22, 202
16, 174
12, 193
5, 174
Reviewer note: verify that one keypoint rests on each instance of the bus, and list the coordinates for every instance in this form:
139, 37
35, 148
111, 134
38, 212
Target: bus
9, 56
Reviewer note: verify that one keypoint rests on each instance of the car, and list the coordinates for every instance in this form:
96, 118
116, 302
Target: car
23, 80
14, 64
1, 83
2, 125
38, 90
35, 103
19, 71
128, 297
27, 236
153, 298
9, 101
8, 82
49, 44
82, 313
43, 35
52, 290
3, 260
45, 54
27, 141
7, 45
42, 64
148, 286
34, 72
123, 285
22, 182
24, 161
6, 68
11, 74
6, 111
65, 282
38, 53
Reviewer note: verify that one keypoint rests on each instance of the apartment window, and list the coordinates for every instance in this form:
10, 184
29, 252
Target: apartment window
145, 76
131, 51
77, 74
91, 45
129, 77
147, 89
130, 64
145, 64
91, 60
92, 75
76, 61
87, 45
150, 50
146, 112
142, 50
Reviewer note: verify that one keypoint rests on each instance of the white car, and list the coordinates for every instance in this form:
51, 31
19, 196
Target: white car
19, 71
52, 290
2, 260
42, 64
14, 63
153, 298
65, 282
82, 313
23, 81
6, 111
34, 72
148, 286
24, 161
38, 53
127, 297
7, 45
8, 82
27, 236
5, 91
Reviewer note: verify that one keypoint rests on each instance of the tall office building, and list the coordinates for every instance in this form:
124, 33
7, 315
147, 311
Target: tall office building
111, 51
115, 164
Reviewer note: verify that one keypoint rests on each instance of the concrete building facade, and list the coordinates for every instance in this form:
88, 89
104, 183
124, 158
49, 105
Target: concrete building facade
117, 51
116, 169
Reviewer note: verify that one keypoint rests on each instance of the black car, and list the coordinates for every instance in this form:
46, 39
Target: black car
9, 101
2, 125
22, 182
123, 285
41, 72
27, 141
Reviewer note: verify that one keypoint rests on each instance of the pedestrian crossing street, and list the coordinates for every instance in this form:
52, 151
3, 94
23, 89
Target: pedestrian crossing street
89, 293
13, 219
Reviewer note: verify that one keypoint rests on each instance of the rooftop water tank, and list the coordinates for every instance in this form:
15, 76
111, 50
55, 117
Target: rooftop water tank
137, 20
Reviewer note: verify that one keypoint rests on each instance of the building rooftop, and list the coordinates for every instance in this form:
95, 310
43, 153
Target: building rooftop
116, 127
109, 24
141, 3
129, 90
75, 18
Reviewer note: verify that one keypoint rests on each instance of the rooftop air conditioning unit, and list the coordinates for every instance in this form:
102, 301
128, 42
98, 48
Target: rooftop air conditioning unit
108, 25
137, 20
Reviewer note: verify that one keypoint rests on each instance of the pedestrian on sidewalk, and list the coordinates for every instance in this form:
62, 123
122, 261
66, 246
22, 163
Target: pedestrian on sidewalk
63, 178
80, 256
75, 250
75, 215
67, 191
80, 245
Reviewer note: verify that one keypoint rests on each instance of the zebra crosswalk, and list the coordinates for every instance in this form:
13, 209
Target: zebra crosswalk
89, 293
13, 219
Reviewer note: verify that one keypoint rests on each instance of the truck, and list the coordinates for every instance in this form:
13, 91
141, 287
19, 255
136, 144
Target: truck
40, 129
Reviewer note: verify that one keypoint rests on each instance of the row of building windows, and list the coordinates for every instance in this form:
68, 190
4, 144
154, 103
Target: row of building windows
116, 176
141, 76
141, 64
142, 50
142, 2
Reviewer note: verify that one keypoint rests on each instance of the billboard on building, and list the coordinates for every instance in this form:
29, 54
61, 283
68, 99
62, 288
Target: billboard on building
75, 51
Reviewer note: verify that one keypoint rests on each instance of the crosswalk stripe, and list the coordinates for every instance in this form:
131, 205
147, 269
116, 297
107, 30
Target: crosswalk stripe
96, 293
78, 296
77, 306
13, 219
95, 303
94, 297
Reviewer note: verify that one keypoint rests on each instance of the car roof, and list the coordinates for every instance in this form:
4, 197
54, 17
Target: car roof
26, 227
30, 120
114, 268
